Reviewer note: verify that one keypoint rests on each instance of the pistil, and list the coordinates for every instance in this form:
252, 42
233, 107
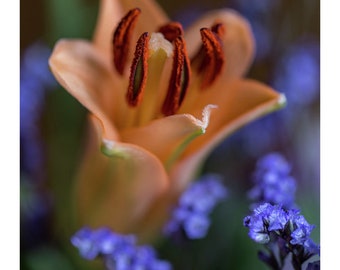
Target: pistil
159, 66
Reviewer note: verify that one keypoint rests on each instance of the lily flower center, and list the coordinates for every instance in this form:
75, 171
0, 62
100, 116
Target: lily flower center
150, 66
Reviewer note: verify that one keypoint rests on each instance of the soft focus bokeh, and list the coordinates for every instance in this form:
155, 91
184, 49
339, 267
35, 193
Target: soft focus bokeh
287, 34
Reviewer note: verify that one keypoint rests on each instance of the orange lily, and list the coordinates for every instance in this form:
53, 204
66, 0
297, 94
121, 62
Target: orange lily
155, 114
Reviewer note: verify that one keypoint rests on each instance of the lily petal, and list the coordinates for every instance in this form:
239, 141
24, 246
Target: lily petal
241, 102
238, 40
85, 74
173, 133
110, 13
118, 187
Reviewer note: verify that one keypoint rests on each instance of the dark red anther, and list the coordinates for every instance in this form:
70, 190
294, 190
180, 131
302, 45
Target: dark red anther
139, 71
179, 80
171, 31
122, 39
213, 61
218, 29
209, 60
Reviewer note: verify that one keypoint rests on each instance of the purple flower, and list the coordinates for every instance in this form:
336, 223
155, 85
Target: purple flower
273, 225
196, 226
257, 229
84, 241
273, 183
119, 252
301, 234
277, 218
203, 195
273, 162
266, 218
191, 215
35, 80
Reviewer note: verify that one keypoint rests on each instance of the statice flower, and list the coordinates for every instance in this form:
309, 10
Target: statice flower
119, 252
273, 182
282, 231
190, 219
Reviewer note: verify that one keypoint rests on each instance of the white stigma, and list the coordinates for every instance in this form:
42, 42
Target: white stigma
157, 42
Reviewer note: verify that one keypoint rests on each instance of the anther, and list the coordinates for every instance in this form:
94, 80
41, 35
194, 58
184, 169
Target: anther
210, 59
122, 39
218, 29
179, 80
171, 31
139, 70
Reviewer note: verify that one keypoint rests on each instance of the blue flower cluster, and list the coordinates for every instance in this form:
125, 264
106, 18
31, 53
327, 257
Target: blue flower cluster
273, 225
273, 183
35, 202
35, 79
119, 252
191, 215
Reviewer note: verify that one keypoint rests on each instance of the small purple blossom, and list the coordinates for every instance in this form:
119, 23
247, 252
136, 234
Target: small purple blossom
86, 244
274, 225
196, 226
272, 181
273, 162
191, 215
301, 231
119, 252
266, 218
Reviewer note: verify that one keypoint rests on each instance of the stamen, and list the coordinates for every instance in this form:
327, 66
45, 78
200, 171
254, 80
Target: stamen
210, 58
139, 70
218, 29
171, 31
179, 80
122, 39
